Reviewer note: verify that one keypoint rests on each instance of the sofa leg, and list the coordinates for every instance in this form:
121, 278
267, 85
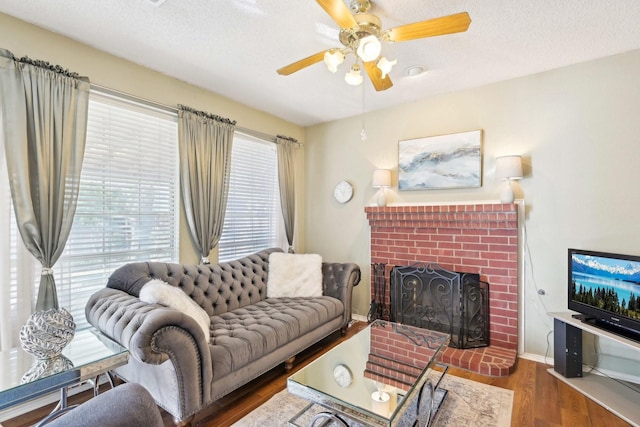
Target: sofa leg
288, 364
183, 423
343, 330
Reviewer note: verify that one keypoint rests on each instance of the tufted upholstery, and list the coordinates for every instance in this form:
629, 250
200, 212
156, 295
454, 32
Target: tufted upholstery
241, 336
250, 333
217, 288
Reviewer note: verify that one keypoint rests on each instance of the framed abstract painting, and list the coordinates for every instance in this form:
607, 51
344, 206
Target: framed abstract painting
441, 162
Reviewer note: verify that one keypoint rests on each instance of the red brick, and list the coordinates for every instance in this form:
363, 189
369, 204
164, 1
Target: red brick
502, 248
474, 263
495, 240
467, 239
479, 247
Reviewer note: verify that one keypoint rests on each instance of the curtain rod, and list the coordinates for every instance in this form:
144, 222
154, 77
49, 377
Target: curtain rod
173, 110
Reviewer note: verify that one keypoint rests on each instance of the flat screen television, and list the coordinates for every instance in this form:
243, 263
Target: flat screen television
605, 289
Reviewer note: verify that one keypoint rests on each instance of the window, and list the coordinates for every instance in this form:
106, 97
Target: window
128, 201
253, 220
127, 206
16, 265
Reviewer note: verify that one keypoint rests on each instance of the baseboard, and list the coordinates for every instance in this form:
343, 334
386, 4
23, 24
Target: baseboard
537, 358
31, 405
359, 317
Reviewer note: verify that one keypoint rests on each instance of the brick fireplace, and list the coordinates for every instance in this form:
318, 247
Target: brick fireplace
470, 238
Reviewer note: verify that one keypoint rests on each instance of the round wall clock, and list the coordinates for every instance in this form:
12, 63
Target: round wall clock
343, 192
342, 375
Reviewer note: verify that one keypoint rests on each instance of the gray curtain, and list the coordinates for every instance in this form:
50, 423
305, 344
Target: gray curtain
286, 182
44, 125
205, 165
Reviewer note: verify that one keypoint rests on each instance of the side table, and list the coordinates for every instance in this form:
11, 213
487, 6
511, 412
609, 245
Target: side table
89, 355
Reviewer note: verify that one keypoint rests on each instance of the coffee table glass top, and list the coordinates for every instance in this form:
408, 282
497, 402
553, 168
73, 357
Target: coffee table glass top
385, 359
86, 356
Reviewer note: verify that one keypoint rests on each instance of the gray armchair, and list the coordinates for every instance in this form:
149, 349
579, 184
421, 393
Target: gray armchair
126, 405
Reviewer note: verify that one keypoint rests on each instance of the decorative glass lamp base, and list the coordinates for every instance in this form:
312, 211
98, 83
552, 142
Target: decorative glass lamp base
47, 332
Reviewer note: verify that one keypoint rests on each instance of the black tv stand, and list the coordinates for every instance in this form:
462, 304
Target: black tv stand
609, 393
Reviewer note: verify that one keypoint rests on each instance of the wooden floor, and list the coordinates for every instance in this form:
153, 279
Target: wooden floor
540, 400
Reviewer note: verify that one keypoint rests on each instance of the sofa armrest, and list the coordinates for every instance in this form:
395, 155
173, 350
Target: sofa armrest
338, 280
154, 334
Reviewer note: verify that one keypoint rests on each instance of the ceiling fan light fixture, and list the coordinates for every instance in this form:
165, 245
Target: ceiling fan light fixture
354, 76
361, 34
333, 58
369, 48
385, 66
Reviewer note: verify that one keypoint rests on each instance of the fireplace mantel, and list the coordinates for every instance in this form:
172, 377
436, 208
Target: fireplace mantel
476, 237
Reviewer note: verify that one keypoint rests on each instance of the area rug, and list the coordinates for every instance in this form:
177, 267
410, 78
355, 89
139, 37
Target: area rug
468, 404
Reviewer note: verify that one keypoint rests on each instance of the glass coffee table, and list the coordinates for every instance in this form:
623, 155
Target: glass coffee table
385, 375
89, 355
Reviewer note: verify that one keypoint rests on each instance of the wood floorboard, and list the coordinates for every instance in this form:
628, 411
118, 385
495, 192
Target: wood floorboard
540, 400
524, 397
599, 416
546, 392
575, 404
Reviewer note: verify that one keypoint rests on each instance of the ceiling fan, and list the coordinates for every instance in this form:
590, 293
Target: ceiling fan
361, 34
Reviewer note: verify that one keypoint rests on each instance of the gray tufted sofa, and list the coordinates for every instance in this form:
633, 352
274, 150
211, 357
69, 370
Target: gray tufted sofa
249, 333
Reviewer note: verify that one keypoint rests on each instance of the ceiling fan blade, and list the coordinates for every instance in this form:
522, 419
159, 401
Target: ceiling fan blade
450, 24
339, 12
303, 63
375, 75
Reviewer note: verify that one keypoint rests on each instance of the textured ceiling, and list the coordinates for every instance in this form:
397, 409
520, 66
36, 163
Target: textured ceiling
233, 47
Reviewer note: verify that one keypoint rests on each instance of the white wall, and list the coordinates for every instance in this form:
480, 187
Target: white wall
23, 39
578, 129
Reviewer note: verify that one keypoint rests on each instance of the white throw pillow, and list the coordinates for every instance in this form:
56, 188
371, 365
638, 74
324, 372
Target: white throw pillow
160, 292
294, 275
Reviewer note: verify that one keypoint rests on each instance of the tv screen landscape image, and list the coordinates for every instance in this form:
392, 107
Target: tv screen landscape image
605, 287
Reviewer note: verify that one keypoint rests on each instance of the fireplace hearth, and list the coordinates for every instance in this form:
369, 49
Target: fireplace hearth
431, 297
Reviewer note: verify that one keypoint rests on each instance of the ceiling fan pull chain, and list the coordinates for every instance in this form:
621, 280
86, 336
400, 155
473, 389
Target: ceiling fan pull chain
363, 132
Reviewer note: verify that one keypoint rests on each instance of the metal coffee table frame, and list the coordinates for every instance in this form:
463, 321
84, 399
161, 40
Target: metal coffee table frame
430, 400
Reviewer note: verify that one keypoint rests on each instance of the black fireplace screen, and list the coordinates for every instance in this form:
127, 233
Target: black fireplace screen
431, 297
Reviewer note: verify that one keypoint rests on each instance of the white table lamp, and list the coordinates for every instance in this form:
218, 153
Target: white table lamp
508, 168
381, 180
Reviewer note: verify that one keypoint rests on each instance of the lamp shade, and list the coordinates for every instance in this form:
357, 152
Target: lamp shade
354, 77
381, 178
333, 58
385, 66
508, 167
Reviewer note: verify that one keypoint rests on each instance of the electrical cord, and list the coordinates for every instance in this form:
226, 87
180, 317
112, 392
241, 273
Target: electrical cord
633, 387
597, 354
546, 353
533, 281
530, 263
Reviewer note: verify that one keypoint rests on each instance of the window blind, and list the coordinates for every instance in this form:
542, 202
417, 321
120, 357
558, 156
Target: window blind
17, 265
253, 219
128, 201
